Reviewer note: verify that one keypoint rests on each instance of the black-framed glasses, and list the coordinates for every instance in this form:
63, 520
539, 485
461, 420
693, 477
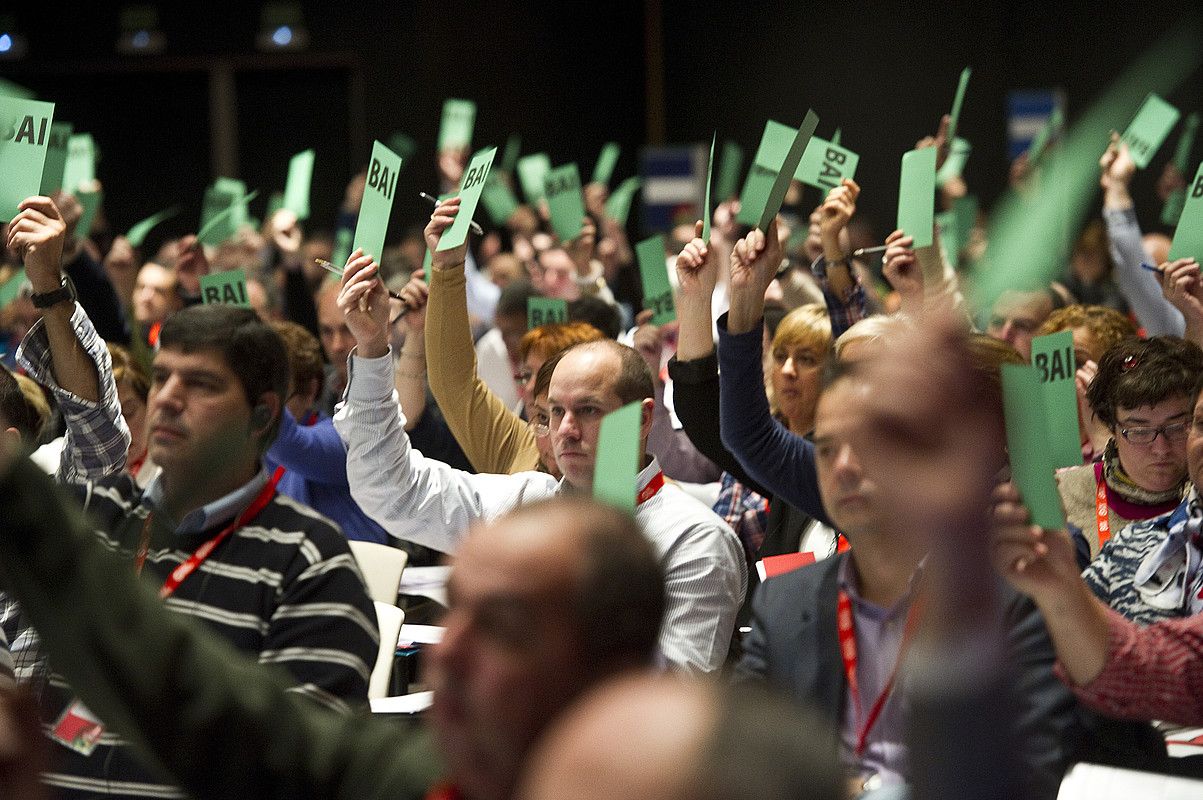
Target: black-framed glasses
1174, 432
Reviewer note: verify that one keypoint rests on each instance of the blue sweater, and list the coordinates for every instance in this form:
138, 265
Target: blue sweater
775, 458
316, 474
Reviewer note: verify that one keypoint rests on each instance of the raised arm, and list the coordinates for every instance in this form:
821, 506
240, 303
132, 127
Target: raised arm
1138, 286
64, 352
1183, 289
842, 291
777, 459
123, 651
493, 438
410, 375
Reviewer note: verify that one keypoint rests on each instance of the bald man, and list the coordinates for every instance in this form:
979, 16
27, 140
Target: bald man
645, 736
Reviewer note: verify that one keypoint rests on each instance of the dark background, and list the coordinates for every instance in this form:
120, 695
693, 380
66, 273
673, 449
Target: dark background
568, 77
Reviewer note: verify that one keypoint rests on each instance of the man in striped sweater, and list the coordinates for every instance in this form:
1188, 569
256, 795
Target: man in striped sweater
271, 576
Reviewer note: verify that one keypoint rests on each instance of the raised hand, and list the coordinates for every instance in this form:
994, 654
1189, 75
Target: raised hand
364, 303
1116, 166
415, 295
939, 141
580, 249
1182, 287
440, 220
835, 214
900, 267
1040, 563
697, 268
36, 234
285, 232
754, 264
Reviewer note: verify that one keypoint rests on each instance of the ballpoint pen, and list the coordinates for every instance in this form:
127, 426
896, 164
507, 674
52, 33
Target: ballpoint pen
435, 202
868, 251
326, 265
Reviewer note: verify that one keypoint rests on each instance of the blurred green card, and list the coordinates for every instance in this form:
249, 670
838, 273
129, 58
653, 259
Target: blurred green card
603, 170
1188, 237
137, 234
81, 162
1032, 464
618, 206
300, 177
653, 272
498, 200
545, 310
225, 288
565, 204
1149, 128
532, 170
617, 466
455, 130
729, 165
1053, 358
825, 164
56, 157
957, 101
917, 195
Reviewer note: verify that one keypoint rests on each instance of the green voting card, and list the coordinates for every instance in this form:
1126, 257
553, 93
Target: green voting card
1173, 204
954, 165
565, 203
1032, 464
225, 288
498, 200
1053, 358
917, 195
89, 204
545, 310
27, 125
729, 165
403, 145
509, 156
81, 162
706, 202
617, 466
603, 170
296, 190
825, 164
223, 213
455, 130
1188, 237
786, 170
377, 204
1149, 128
618, 206
653, 271
473, 184
835, 137
11, 287
56, 158
10, 89
1048, 131
532, 170
752, 198
342, 247
957, 101
956, 226
137, 234
275, 202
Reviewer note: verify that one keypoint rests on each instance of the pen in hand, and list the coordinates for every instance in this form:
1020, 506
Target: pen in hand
326, 265
435, 202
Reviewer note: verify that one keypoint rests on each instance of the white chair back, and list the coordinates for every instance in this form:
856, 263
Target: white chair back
389, 618
381, 567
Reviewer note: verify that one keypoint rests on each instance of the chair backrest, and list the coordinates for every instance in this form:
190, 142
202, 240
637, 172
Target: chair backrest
389, 618
381, 567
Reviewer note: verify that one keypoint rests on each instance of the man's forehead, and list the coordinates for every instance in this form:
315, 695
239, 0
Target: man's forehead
521, 563
583, 372
839, 406
1014, 302
204, 358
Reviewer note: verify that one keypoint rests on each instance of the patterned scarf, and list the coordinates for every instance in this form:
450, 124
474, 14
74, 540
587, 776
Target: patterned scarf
1118, 481
1169, 578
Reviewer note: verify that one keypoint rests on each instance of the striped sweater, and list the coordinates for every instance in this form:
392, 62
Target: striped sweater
284, 589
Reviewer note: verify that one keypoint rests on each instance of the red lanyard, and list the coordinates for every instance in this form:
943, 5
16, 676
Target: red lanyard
846, 625
181, 573
1100, 513
652, 488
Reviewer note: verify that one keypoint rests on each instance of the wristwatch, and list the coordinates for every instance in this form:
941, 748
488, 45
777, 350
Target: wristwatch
66, 291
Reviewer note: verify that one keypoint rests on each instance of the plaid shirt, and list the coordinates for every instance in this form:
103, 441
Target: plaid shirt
97, 436
744, 510
844, 311
1153, 672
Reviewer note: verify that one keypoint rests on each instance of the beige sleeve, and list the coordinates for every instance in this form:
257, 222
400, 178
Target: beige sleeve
494, 438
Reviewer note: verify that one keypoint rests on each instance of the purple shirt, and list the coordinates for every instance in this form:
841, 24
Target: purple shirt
879, 635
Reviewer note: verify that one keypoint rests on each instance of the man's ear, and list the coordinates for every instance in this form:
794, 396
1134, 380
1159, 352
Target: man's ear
647, 412
11, 438
265, 412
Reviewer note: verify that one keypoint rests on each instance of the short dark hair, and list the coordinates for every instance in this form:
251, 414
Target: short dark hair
1138, 373
598, 313
249, 347
16, 410
634, 380
304, 355
512, 302
619, 600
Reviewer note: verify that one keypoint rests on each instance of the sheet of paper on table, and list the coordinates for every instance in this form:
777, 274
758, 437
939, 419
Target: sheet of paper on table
405, 704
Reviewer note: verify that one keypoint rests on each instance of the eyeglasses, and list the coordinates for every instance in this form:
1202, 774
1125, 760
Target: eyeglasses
1173, 432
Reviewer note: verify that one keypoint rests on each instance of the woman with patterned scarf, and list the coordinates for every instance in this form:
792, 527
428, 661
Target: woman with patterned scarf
1143, 393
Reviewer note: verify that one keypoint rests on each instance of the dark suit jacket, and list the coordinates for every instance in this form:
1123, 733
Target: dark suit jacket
794, 646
